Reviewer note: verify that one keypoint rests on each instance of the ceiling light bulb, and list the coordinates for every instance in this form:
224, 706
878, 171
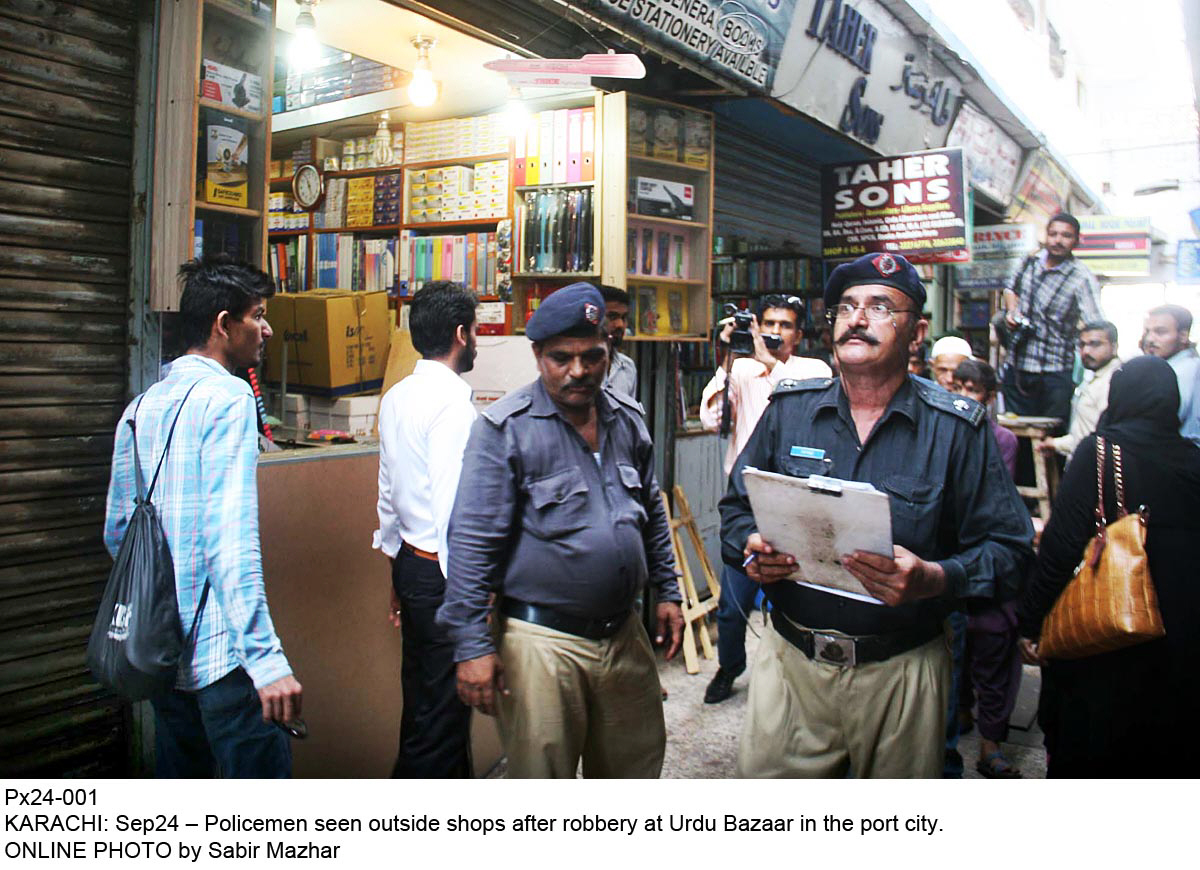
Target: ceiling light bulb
422, 90
305, 47
515, 114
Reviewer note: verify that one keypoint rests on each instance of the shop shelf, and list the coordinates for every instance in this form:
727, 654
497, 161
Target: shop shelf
570, 185
451, 161
660, 279
670, 222
551, 276
228, 209
377, 228
471, 222
257, 117
674, 164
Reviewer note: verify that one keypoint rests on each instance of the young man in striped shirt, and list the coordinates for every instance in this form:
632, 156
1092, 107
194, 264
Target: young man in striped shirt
235, 689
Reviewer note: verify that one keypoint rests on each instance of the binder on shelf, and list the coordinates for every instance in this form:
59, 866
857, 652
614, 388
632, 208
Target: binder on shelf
545, 147
532, 155
587, 148
561, 121
519, 142
574, 144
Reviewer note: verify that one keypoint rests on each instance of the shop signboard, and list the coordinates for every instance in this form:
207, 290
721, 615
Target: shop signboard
858, 70
1042, 191
742, 41
911, 204
993, 157
1187, 262
996, 254
1114, 245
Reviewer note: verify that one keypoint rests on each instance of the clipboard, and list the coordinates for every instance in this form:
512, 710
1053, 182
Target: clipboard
817, 519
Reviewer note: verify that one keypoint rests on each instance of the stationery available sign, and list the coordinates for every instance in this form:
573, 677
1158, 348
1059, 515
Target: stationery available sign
910, 204
741, 39
1114, 245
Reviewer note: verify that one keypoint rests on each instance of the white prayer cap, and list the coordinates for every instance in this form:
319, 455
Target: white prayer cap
951, 344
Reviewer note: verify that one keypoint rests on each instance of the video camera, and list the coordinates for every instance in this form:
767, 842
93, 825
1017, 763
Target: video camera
742, 340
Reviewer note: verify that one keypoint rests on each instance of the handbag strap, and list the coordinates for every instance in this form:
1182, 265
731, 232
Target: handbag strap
1101, 519
1119, 478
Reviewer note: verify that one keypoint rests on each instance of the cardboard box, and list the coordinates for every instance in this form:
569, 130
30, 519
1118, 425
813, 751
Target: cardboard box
231, 86
669, 199
336, 341
222, 152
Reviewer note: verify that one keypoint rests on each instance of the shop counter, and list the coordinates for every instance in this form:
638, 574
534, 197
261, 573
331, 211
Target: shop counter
328, 593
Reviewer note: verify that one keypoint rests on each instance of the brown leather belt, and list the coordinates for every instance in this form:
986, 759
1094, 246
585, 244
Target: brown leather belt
418, 552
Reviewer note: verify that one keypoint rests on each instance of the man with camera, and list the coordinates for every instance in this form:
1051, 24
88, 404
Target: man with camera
761, 349
1049, 296
843, 685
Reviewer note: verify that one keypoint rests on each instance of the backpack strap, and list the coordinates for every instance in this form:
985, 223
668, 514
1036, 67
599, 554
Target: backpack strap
167, 448
189, 643
140, 481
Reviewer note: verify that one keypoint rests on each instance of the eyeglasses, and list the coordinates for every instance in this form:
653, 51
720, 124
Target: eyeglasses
875, 311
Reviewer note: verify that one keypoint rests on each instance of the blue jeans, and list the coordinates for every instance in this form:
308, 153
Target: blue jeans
737, 591
218, 731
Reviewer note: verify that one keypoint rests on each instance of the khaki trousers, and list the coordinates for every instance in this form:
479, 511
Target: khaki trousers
811, 719
572, 698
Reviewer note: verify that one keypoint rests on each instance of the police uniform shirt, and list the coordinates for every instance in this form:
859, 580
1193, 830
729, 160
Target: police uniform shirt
538, 519
952, 501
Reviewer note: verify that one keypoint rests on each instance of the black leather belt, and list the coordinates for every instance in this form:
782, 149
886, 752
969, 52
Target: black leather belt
592, 629
847, 651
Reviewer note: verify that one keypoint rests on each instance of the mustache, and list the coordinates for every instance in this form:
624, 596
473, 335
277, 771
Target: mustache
859, 334
574, 384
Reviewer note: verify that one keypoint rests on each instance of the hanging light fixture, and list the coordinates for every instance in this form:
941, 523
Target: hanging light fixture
516, 113
304, 47
422, 90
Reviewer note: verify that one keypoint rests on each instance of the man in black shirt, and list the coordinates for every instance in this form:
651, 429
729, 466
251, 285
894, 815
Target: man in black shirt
843, 685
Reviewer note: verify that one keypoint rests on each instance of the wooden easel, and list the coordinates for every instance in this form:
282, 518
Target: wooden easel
694, 610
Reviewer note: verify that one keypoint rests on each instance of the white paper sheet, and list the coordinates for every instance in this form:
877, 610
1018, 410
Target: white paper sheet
817, 527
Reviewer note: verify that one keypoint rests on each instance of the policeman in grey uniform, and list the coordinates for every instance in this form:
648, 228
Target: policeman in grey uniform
842, 685
558, 513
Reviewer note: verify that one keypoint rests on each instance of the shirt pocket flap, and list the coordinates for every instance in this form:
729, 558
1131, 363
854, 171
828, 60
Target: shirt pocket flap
556, 488
911, 490
629, 476
805, 467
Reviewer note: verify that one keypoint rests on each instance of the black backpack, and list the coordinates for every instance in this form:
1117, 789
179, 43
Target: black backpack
137, 642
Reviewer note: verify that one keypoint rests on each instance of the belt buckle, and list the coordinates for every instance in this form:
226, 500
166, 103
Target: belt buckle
833, 649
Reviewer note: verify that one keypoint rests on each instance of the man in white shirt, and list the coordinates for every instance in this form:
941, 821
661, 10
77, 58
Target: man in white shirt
1098, 353
424, 422
751, 380
622, 372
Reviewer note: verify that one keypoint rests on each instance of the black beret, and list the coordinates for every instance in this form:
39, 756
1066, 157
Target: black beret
890, 270
567, 308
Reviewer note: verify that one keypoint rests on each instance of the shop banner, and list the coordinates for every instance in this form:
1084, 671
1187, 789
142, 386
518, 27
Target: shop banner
910, 204
996, 253
740, 39
1187, 262
993, 157
857, 68
1112, 245
1043, 191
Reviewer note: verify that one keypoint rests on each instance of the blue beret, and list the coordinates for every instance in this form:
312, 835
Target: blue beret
890, 270
570, 307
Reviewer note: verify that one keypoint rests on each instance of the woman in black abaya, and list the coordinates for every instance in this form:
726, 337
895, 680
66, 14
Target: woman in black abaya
1132, 712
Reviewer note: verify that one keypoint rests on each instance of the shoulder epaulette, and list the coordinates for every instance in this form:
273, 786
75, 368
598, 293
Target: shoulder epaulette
514, 403
627, 401
791, 385
944, 400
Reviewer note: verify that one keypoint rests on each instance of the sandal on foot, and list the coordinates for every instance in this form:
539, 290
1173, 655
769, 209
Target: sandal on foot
996, 766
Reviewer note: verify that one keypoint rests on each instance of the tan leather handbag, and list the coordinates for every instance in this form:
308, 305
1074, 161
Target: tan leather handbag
1110, 603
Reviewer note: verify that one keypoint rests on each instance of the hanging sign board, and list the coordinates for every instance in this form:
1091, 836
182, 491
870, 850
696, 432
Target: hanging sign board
1112, 245
910, 204
996, 254
1187, 262
993, 157
741, 40
1043, 190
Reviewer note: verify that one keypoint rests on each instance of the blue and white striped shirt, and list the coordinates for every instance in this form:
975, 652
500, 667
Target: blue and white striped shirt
207, 500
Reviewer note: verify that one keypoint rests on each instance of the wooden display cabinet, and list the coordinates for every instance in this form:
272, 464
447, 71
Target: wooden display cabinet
662, 259
188, 33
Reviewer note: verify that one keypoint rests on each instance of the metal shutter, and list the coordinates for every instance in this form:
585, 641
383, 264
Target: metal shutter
764, 192
66, 132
